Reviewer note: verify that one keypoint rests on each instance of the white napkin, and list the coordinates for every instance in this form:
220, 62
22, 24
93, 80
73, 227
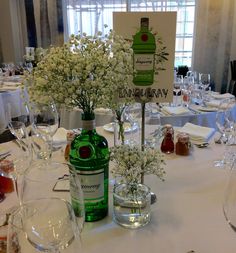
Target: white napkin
59, 138
222, 96
102, 110
198, 134
177, 110
213, 103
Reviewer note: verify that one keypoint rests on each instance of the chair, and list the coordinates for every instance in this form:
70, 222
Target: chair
6, 136
232, 84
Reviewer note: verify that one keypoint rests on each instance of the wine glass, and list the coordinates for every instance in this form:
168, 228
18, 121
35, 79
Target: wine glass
45, 117
18, 118
204, 80
55, 179
226, 129
45, 121
133, 114
15, 165
47, 225
178, 82
229, 203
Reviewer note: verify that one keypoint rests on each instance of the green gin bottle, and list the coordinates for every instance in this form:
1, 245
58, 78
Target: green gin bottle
144, 47
89, 154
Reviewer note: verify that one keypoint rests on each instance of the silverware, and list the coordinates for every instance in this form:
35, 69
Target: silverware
3, 157
20, 144
202, 145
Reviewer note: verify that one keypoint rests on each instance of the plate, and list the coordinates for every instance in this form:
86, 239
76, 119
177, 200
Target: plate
208, 109
127, 127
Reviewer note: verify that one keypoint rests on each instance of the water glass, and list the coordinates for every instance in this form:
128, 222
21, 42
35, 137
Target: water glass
54, 179
178, 82
47, 225
229, 203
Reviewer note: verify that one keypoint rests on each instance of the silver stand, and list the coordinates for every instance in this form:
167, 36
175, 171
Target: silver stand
143, 104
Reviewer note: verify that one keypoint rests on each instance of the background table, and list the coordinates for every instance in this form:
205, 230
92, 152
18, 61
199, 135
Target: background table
71, 119
187, 215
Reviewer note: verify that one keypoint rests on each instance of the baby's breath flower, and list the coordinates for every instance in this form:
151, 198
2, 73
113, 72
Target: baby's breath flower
131, 162
86, 72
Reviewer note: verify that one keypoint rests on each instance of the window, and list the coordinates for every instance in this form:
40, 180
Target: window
99, 13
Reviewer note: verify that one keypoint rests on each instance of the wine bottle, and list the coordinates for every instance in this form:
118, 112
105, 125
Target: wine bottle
144, 47
89, 154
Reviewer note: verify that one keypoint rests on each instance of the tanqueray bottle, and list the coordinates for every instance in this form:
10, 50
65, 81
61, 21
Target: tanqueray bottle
89, 154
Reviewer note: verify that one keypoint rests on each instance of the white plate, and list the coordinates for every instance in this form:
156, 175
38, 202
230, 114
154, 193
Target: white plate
207, 109
109, 127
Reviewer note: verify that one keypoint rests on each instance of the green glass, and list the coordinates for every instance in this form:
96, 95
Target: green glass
89, 154
144, 47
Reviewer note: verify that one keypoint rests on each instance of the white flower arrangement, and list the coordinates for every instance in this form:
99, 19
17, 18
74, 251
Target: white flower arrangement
85, 72
131, 162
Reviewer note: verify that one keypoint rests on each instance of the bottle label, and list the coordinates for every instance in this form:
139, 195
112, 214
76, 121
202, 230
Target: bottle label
92, 184
143, 61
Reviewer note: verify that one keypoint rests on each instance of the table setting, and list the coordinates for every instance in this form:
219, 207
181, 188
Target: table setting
124, 184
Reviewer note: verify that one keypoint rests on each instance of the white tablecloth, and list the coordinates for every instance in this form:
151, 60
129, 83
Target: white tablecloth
71, 119
187, 215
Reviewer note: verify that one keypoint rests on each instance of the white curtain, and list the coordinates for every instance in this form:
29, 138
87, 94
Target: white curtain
214, 39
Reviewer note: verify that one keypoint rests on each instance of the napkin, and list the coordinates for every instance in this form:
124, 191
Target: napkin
178, 110
213, 103
59, 138
222, 96
198, 134
102, 110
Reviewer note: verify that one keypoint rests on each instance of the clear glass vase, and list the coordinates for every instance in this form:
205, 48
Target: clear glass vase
131, 205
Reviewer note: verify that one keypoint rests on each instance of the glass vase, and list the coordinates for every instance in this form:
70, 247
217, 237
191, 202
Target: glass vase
131, 205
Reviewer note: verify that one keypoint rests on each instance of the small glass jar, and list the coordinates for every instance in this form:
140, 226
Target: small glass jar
6, 183
70, 137
182, 146
167, 145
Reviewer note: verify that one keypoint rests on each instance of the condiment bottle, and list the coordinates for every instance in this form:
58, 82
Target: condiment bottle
70, 137
6, 183
183, 144
167, 145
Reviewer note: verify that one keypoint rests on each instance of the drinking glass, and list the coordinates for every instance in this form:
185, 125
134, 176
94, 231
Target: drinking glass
55, 179
19, 118
204, 80
45, 121
178, 82
229, 203
133, 114
225, 127
46, 225
17, 163
152, 138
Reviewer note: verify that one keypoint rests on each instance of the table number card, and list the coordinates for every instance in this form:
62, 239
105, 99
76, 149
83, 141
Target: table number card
153, 42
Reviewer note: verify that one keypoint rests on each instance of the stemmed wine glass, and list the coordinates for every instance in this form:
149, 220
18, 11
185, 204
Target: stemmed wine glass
226, 129
132, 114
54, 179
204, 80
46, 225
45, 121
229, 203
18, 162
178, 82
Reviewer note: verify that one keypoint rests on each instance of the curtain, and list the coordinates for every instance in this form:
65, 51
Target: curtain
213, 47
44, 23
